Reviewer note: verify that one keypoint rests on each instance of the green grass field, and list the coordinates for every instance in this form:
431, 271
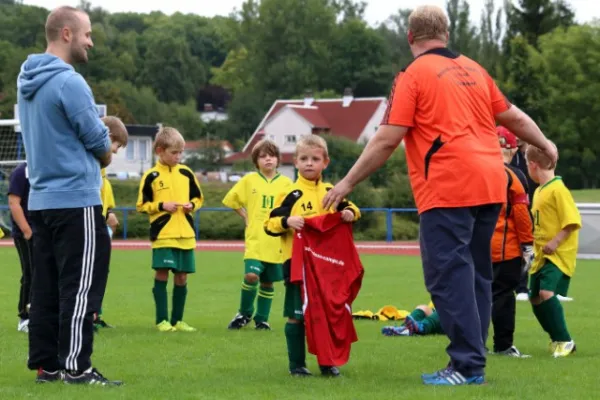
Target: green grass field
587, 195
215, 363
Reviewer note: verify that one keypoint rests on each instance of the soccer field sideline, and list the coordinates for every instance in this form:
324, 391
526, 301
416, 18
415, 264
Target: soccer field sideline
381, 248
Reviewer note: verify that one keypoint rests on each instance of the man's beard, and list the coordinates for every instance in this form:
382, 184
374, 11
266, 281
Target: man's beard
78, 54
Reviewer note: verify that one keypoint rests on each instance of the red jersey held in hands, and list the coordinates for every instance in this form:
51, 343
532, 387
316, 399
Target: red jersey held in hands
326, 265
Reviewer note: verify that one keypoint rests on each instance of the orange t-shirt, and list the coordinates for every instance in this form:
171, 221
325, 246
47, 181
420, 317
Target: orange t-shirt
514, 226
449, 103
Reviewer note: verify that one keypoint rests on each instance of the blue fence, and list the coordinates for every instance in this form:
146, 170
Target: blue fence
389, 212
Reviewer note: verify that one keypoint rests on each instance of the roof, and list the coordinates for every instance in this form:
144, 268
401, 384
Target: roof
142, 130
348, 122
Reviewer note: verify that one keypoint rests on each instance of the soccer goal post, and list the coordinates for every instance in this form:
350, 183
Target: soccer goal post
12, 153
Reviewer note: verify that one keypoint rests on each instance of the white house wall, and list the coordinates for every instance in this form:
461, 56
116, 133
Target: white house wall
286, 122
136, 161
373, 123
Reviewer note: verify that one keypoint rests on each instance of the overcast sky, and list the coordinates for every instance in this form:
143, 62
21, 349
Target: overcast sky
377, 10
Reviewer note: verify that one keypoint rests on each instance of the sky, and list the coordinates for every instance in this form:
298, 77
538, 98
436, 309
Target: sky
377, 10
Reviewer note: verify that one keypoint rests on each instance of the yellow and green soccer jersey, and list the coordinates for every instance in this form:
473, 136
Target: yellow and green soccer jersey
257, 195
106, 194
553, 210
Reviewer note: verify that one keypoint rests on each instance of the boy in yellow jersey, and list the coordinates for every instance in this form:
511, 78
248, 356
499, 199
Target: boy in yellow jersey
118, 135
302, 200
556, 234
253, 198
170, 193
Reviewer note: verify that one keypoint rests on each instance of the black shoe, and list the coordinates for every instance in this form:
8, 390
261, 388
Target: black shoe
238, 322
301, 371
263, 326
330, 371
47, 376
89, 377
102, 324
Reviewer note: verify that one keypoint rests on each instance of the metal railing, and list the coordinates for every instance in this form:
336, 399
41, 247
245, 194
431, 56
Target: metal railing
198, 217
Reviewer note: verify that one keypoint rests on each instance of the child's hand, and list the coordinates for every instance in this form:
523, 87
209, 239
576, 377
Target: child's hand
188, 208
296, 223
551, 246
170, 206
347, 216
112, 221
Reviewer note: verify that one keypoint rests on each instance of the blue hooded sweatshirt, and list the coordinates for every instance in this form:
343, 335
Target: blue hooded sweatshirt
62, 133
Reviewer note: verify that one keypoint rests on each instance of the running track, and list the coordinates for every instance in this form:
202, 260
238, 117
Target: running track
383, 248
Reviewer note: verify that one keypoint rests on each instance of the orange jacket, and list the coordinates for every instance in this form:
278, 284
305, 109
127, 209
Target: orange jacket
514, 227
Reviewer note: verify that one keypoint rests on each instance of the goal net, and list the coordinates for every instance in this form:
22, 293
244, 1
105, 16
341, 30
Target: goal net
12, 153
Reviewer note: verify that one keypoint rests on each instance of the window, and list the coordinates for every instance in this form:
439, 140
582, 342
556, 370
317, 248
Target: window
143, 150
131, 150
290, 139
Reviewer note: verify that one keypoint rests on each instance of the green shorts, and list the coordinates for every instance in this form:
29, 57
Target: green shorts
292, 306
267, 272
177, 260
549, 278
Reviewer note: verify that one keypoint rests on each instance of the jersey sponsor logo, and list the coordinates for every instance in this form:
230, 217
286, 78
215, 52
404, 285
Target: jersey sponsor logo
324, 258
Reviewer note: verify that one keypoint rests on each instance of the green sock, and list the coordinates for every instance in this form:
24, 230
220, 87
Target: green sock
263, 304
418, 314
248, 297
294, 335
179, 295
540, 315
160, 300
432, 324
100, 312
555, 318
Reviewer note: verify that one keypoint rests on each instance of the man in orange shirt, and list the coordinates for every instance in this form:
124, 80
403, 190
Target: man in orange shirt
444, 106
512, 249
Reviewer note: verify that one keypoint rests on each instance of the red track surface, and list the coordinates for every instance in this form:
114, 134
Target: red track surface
385, 248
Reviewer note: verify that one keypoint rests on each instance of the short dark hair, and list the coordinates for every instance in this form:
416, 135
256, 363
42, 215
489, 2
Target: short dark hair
58, 19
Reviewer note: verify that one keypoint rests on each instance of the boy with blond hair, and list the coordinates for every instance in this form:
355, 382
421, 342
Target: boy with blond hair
253, 198
303, 200
169, 193
117, 132
556, 233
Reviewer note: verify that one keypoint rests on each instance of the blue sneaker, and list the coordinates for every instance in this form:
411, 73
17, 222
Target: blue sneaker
434, 374
414, 326
451, 377
395, 331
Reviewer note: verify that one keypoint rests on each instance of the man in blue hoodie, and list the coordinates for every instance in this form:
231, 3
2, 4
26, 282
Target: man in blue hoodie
66, 145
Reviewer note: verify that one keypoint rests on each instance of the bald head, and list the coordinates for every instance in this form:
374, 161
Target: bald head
60, 18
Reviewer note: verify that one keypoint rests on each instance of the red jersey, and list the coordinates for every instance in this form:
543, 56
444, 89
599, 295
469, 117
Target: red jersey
326, 265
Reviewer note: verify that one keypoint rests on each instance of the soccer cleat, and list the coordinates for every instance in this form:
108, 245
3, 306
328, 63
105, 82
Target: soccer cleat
564, 349
102, 324
522, 297
395, 331
563, 298
434, 374
301, 371
332, 372
262, 326
165, 326
552, 346
238, 322
451, 377
23, 325
512, 351
183, 327
89, 377
47, 376
414, 326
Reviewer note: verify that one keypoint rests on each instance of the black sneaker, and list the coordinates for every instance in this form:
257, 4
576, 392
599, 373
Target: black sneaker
239, 321
329, 371
301, 371
263, 326
90, 377
47, 376
102, 324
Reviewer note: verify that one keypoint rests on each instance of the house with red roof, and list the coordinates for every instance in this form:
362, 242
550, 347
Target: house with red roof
286, 121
